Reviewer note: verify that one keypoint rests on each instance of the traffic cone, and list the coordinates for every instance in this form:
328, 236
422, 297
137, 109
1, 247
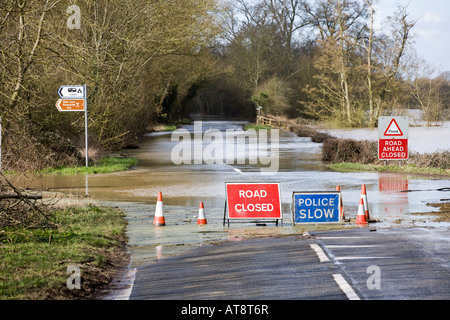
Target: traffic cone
341, 203
201, 215
361, 217
366, 203
159, 220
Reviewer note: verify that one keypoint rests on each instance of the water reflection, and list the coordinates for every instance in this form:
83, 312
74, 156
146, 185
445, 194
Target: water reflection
393, 202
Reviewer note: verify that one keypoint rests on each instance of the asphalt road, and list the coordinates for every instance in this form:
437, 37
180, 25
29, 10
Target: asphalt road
387, 264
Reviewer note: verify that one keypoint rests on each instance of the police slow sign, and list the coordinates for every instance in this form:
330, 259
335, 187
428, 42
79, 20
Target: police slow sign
316, 207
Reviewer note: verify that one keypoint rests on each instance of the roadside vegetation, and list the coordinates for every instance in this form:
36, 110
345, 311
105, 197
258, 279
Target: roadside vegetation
104, 165
349, 155
41, 238
354, 155
256, 127
34, 261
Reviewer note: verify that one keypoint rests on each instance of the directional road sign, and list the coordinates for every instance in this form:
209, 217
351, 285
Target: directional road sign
72, 92
70, 104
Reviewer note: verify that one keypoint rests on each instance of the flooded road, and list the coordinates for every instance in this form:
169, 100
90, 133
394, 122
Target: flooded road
393, 198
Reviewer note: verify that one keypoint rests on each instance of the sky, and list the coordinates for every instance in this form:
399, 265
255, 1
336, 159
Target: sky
431, 32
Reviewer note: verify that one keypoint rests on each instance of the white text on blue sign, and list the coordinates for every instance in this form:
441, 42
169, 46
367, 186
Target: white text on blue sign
316, 208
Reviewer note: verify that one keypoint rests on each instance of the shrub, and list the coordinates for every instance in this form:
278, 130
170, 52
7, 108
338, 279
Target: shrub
439, 160
349, 150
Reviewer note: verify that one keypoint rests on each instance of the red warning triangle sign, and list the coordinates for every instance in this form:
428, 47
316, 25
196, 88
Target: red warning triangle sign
393, 129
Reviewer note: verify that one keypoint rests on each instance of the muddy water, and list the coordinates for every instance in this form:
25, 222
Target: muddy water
392, 197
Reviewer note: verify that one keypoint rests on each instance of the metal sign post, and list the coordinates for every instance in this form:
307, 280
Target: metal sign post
86, 125
0, 144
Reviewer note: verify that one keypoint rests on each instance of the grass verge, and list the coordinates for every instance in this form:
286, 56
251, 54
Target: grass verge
34, 262
104, 165
256, 127
407, 168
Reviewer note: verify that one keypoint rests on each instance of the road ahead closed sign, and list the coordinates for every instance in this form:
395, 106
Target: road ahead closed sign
316, 207
393, 138
253, 201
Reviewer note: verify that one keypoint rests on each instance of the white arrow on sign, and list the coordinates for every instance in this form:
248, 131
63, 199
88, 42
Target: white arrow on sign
74, 92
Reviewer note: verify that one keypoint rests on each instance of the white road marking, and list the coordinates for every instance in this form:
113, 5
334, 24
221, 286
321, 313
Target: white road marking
352, 246
359, 258
341, 237
127, 283
238, 170
322, 256
345, 287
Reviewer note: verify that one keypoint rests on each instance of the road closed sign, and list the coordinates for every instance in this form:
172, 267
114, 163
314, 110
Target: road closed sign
253, 201
316, 207
393, 138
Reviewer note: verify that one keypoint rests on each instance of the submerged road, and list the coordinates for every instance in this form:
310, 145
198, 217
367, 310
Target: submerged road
186, 262
355, 264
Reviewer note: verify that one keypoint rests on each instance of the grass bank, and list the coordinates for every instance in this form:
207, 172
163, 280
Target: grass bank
354, 155
34, 261
407, 168
256, 127
104, 165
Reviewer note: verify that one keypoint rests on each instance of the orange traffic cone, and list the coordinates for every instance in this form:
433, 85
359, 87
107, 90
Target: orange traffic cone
159, 220
201, 215
361, 217
366, 203
341, 203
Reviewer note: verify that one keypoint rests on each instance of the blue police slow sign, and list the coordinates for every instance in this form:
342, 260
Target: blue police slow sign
316, 207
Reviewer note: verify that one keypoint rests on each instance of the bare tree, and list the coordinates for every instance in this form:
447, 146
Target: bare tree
349, 45
427, 93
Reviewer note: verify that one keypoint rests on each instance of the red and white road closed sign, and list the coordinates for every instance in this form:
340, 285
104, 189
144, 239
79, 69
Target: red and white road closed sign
253, 201
393, 149
393, 138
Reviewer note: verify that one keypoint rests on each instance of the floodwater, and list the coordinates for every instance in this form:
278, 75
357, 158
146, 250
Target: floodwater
422, 139
393, 198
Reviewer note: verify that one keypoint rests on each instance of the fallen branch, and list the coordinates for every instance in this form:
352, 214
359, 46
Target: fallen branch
20, 196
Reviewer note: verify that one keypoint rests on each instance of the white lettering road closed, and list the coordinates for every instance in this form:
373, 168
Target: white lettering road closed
393, 138
253, 201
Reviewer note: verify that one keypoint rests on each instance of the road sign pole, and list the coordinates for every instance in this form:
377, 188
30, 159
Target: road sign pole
86, 124
0, 144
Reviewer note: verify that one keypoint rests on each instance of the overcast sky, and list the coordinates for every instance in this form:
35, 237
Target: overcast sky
432, 31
